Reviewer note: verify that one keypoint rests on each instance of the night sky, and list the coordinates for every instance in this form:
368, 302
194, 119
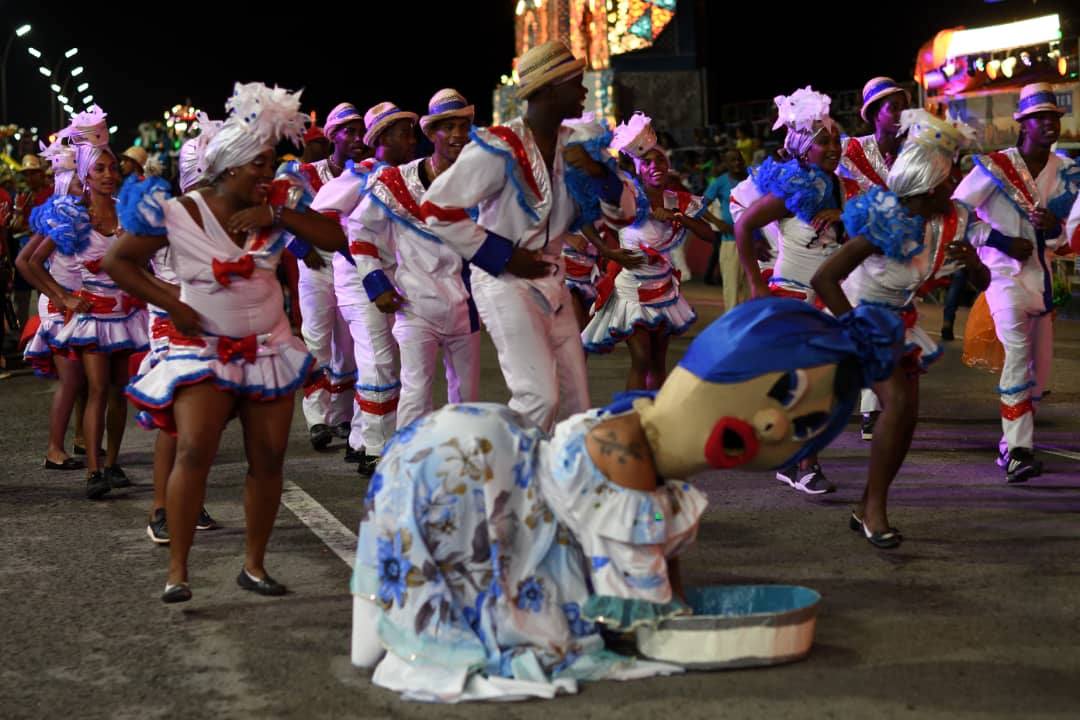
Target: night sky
141, 59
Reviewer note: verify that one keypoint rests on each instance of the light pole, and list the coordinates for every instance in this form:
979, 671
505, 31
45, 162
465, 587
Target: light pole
17, 32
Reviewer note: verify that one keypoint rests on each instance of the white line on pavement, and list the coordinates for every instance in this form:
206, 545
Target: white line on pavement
328, 528
1061, 453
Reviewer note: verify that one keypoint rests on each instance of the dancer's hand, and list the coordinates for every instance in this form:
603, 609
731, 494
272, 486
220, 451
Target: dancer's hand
759, 288
314, 261
576, 156
389, 302
762, 251
962, 252
250, 219
186, 320
527, 264
662, 214
1020, 249
1043, 219
74, 304
824, 219
626, 258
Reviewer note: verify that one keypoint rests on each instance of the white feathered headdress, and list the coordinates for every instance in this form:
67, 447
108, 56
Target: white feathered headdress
259, 117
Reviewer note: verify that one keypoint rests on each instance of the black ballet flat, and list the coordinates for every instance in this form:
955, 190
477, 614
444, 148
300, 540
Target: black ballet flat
267, 586
883, 540
80, 450
68, 464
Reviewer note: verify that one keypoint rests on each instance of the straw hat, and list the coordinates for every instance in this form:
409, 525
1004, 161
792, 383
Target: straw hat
878, 88
1036, 98
342, 114
137, 155
31, 162
381, 117
545, 64
447, 103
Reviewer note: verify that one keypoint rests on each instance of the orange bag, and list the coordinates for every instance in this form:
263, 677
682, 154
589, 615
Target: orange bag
982, 349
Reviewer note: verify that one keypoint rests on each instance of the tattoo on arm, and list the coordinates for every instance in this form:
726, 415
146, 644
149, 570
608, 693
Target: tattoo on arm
611, 446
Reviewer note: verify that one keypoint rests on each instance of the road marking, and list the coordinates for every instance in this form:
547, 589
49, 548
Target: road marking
320, 521
1061, 453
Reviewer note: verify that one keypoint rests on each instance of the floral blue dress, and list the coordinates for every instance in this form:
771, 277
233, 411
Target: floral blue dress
492, 550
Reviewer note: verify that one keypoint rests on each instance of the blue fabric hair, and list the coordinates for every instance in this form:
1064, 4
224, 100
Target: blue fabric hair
806, 191
878, 216
779, 334
141, 205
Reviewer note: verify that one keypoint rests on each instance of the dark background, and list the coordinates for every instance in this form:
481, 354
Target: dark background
141, 59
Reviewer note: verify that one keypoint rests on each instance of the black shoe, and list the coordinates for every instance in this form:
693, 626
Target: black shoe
367, 464
181, 592
883, 541
205, 522
116, 477
1021, 466
80, 450
97, 485
353, 455
342, 430
947, 332
267, 586
811, 481
156, 529
68, 464
321, 436
868, 421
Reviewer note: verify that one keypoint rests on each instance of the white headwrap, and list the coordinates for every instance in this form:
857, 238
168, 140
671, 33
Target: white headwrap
90, 136
805, 113
193, 151
62, 159
928, 153
258, 118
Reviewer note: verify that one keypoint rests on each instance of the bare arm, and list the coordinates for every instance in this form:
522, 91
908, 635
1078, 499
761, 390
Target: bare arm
126, 261
827, 279
321, 231
59, 295
764, 211
697, 226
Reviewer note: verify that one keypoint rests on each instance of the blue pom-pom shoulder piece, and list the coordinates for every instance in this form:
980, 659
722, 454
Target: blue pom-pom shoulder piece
66, 222
878, 216
806, 191
141, 205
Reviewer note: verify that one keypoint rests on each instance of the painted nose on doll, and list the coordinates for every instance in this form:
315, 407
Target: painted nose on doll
731, 443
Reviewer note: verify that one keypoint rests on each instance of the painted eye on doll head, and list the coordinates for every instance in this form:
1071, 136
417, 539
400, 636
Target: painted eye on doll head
789, 387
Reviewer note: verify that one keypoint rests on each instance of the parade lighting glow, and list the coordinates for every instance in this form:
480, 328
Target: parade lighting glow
68, 108
77, 71
949, 69
113, 129
22, 30
1025, 57
1063, 65
992, 69
83, 88
55, 88
34, 52
88, 99
45, 71
1008, 65
62, 98
1034, 31
71, 53
980, 64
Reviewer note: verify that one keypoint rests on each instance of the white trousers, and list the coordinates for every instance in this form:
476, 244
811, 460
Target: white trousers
1029, 353
419, 342
377, 383
539, 347
326, 335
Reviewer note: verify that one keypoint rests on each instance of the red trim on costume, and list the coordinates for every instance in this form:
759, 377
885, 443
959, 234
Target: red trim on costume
910, 316
777, 291
223, 269
316, 382
53, 309
357, 247
605, 286
105, 305
93, 266
851, 187
447, 215
518, 148
393, 180
1012, 174
246, 348
950, 223
377, 408
855, 153
178, 338
1017, 411
646, 296
577, 269
309, 171
1074, 241
162, 327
